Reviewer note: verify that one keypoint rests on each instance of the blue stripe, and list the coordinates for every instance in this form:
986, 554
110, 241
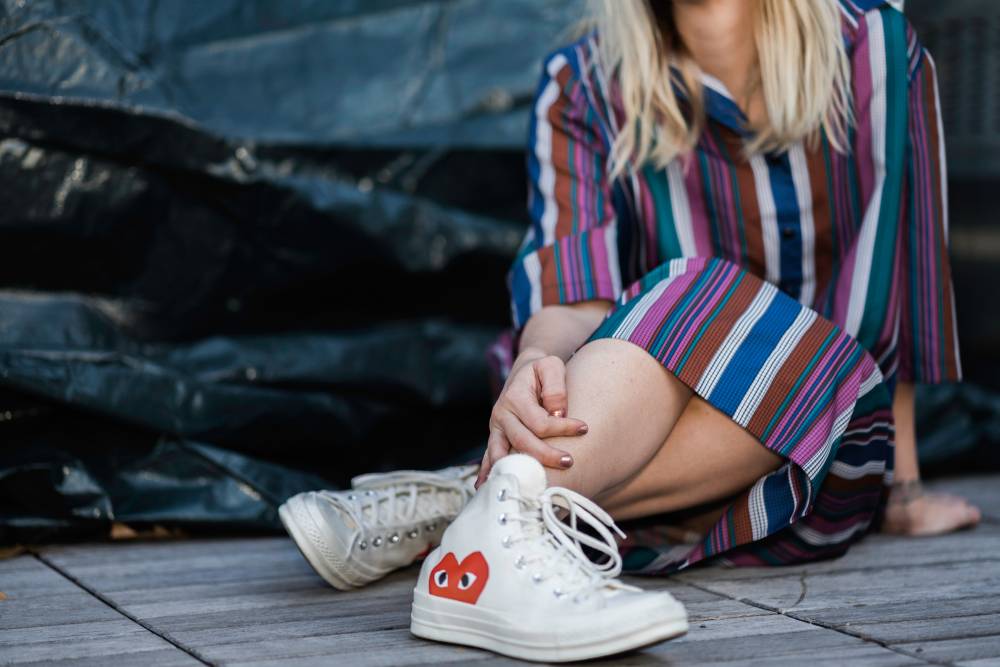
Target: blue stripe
779, 168
752, 353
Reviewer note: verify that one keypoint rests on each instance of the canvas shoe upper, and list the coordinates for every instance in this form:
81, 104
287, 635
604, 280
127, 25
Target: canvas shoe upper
387, 521
511, 575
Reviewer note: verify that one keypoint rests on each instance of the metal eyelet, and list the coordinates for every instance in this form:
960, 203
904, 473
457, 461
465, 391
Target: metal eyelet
557, 592
351, 496
413, 533
537, 578
394, 538
369, 492
432, 527
502, 519
519, 563
363, 545
507, 542
502, 496
377, 542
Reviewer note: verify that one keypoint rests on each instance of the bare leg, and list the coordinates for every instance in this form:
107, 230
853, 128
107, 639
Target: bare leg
651, 448
707, 457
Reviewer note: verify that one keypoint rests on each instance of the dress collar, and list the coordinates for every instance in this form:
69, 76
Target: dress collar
720, 105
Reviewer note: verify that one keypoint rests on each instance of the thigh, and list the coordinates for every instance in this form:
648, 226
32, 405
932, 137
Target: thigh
706, 457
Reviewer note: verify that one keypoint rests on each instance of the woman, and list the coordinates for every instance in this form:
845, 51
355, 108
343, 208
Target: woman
736, 270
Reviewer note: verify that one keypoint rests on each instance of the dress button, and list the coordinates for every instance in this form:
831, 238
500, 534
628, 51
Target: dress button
788, 233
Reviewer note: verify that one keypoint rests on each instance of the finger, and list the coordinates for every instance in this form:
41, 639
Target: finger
484, 468
550, 372
523, 440
540, 422
497, 447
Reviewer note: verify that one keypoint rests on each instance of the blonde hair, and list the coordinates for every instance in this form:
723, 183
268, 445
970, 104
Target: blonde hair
802, 71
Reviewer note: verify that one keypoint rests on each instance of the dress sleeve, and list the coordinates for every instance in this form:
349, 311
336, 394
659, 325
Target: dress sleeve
928, 337
570, 252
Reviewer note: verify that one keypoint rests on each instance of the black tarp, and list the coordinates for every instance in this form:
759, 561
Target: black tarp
251, 247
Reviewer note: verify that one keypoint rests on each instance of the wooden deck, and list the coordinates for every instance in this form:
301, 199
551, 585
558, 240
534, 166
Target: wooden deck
239, 601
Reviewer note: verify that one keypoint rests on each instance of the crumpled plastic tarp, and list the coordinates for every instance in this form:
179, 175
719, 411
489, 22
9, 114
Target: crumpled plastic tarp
249, 248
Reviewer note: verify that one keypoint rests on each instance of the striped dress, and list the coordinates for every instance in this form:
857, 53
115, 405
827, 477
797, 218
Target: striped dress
791, 291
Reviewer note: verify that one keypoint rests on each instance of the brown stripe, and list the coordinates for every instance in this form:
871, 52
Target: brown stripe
706, 346
823, 250
791, 370
941, 243
561, 165
752, 229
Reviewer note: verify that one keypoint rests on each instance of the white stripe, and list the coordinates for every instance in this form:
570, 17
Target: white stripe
768, 219
865, 243
803, 193
533, 269
681, 209
779, 355
543, 149
675, 268
816, 461
872, 381
734, 339
847, 471
817, 538
611, 247
757, 507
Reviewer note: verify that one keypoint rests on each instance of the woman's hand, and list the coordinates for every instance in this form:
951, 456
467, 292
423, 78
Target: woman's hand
532, 406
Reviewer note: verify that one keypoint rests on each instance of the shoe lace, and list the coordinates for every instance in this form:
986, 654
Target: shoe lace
553, 539
411, 497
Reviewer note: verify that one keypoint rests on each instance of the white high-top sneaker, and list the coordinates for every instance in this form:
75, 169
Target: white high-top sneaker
385, 522
512, 577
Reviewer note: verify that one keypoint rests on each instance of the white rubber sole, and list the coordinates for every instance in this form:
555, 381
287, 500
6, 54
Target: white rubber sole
459, 623
291, 519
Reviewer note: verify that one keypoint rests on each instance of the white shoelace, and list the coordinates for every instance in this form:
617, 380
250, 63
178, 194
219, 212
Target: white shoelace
402, 499
553, 541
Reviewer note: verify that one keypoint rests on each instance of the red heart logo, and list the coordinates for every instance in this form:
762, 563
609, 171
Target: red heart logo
460, 581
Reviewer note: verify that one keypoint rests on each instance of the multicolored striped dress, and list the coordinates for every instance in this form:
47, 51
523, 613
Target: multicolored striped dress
791, 291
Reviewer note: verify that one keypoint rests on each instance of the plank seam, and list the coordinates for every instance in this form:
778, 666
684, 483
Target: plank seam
110, 603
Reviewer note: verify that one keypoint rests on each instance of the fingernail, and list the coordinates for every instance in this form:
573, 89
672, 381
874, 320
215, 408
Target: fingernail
566, 461
557, 413
583, 429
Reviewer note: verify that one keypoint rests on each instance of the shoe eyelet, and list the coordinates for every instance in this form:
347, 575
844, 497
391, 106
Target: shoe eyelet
369, 492
502, 519
519, 563
558, 593
413, 533
377, 542
351, 496
507, 542
363, 545
502, 496
432, 527
537, 578
394, 538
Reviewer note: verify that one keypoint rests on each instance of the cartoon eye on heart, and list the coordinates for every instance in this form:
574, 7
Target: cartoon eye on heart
460, 581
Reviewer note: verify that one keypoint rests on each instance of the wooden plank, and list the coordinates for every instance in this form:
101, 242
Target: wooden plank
983, 625
374, 649
955, 650
805, 592
875, 552
107, 640
914, 610
45, 617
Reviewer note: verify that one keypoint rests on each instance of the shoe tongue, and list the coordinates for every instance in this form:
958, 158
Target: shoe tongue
529, 473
